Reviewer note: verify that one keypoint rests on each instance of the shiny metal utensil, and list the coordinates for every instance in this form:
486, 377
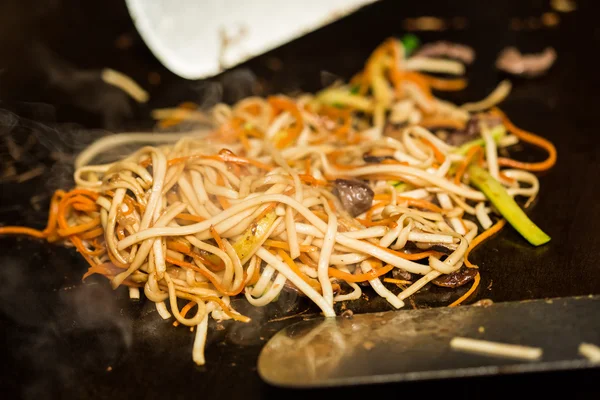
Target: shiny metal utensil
415, 345
197, 39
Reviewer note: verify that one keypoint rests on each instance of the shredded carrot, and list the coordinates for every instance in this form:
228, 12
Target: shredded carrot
288, 260
184, 310
309, 179
529, 138
483, 236
53, 212
420, 203
110, 255
445, 84
92, 234
252, 109
73, 230
279, 103
190, 217
419, 80
380, 222
468, 293
412, 256
307, 260
442, 122
225, 204
217, 238
22, 230
267, 210
283, 245
397, 281
473, 153
94, 253
85, 207
506, 177
439, 156
255, 276
244, 141
367, 276
216, 283
307, 166
208, 263
376, 206
226, 309
107, 269
178, 246
322, 215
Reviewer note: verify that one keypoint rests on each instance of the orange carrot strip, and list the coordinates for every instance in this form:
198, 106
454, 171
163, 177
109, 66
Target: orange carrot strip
475, 151
413, 256
468, 293
529, 138
281, 103
424, 204
73, 230
184, 310
92, 234
208, 276
483, 236
442, 122
190, 217
22, 230
374, 273
288, 260
217, 238
227, 309
445, 84
397, 281
283, 245
439, 156
225, 204
381, 222
307, 260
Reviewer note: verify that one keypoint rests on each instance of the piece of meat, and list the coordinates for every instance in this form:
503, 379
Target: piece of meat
398, 273
511, 60
356, 196
457, 278
447, 49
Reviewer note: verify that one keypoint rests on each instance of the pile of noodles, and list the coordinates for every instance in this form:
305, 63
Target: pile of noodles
254, 205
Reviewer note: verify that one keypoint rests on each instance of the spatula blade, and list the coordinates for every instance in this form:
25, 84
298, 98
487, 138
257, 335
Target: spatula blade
415, 345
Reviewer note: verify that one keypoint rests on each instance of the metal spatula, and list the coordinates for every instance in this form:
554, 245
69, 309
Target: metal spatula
415, 345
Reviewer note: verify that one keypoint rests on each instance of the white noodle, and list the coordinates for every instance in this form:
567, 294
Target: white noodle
488, 348
590, 351
380, 289
497, 96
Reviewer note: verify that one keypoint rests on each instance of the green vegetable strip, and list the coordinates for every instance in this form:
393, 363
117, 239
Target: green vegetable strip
410, 43
497, 133
507, 206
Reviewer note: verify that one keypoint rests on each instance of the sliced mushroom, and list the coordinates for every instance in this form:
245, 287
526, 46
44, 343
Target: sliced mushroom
356, 196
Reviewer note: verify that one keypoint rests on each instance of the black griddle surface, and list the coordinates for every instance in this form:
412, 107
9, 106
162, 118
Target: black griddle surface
60, 338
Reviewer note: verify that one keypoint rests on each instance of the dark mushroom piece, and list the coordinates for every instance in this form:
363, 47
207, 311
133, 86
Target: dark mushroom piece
456, 279
356, 196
